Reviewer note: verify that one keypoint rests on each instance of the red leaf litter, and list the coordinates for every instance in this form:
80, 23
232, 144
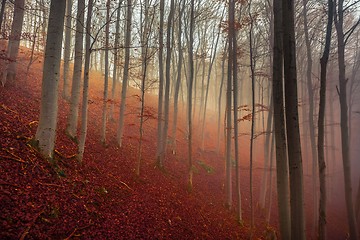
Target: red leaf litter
102, 198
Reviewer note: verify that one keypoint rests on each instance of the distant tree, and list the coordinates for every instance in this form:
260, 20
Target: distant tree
160, 139
106, 73
84, 108
321, 121
189, 92
341, 42
125, 73
67, 48
46, 131
72, 120
14, 42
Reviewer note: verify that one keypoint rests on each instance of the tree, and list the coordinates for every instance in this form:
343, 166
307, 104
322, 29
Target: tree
160, 139
339, 20
292, 123
321, 159
67, 48
14, 41
282, 171
190, 90
46, 131
84, 108
72, 120
126, 72
3, 3
106, 77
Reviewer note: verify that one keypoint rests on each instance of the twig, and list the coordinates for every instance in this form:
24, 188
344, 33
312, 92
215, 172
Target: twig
14, 159
72, 234
126, 185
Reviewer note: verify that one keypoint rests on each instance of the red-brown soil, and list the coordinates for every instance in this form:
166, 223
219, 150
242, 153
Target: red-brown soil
102, 198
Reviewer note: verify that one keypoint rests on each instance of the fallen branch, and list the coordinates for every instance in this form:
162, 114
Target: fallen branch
126, 185
13, 159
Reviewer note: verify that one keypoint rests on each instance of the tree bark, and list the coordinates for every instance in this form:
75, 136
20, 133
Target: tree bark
72, 121
125, 73
338, 19
67, 48
321, 121
46, 131
84, 109
292, 123
14, 42
282, 172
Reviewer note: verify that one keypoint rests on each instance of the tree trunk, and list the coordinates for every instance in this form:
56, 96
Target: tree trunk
311, 116
321, 121
14, 42
46, 131
67, 48
292, 123
178, 78
344, 121
234, 65
115, 67
190, 90
126, 73
167, 82
72, 121
161, 89
84, 109
106, 78
282, 172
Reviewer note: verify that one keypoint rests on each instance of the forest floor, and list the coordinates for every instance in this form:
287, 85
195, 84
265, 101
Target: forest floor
102, 198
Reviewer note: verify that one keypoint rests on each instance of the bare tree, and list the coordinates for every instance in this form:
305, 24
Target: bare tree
322, 166
14, 41
67, 48
339, 21
46, 131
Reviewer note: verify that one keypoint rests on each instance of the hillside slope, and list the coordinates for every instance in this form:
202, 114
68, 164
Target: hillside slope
102, 198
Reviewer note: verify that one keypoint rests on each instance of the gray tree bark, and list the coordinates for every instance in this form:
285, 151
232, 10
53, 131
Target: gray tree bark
14, 42
67, 48
72, 121
84, 109
125, 73
46, 131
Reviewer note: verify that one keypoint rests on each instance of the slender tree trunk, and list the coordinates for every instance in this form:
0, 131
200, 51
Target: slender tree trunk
84, 109
14, 41
72, 121
311, 116
252, 71
228, 164
292, 123
235, 98
190, 91
126, 73
46, 131
106, 78
344, 121
282, 171
220, 97
179, 69
161, 89
167, 82
321, 121
115, 67
67, 49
